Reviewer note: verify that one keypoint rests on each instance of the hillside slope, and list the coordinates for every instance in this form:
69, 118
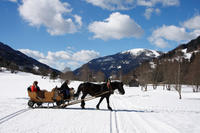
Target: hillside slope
178, 65
16, 60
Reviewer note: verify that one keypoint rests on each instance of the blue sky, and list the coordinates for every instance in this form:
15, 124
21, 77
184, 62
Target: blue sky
69, 33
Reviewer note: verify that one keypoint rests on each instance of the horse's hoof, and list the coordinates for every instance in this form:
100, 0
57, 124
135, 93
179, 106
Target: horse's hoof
97, 107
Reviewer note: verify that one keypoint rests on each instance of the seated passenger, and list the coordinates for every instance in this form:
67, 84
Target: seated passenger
36, 88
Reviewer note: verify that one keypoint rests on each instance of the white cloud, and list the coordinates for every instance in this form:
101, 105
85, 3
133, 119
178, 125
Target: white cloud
148, 13
113, 4
172, 33
163, 34
159, 42
75, 64
129, 4
32, 53
187, 30
62, 59
193, 23
195, 33
59, 55
85, 55
144, 3
152, 3
117, 26
13, 1
157, 11
78, 19
48, 13
169, 2
54, 64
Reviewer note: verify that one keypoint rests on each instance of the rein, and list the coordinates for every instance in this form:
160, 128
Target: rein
85, 99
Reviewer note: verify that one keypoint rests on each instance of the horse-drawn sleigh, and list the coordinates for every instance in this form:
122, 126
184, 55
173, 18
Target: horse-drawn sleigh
54, 96
94, 90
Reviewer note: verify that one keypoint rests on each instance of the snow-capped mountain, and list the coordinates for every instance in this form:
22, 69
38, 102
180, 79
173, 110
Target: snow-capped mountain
139, 51
123, 61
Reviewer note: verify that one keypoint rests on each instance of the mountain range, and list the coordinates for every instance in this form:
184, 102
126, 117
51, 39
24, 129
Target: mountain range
120, 62
140, 64
184, 50
130, 62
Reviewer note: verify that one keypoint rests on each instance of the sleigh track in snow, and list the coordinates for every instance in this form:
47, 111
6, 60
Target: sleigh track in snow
12, 115
114, 125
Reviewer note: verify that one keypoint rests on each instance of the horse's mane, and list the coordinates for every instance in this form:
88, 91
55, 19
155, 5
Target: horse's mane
95, 84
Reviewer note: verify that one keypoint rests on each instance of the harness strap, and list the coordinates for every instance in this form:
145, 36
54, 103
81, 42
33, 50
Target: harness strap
85, 99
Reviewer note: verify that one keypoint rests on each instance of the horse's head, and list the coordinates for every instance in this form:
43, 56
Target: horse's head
119, 86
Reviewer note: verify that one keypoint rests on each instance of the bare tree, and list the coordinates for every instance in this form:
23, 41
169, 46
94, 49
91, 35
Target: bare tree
69, 75
85, 74
144, 75
100, 76
195, 72
178, 88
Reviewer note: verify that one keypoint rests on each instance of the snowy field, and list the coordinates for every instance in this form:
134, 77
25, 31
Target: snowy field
154, 111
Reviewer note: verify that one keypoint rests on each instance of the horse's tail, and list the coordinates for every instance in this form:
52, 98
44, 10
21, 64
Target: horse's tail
78, 91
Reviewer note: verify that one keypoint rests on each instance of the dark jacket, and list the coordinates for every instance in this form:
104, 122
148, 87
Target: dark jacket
64, 86
64, 90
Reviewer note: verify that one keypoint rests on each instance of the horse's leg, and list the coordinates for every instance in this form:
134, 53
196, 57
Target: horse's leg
82, 101
108, 103
99, 102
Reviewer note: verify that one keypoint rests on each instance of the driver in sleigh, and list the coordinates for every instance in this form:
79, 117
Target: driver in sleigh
107, 86
65, 90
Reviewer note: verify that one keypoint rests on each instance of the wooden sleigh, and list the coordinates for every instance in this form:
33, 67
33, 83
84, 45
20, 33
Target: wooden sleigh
54, 96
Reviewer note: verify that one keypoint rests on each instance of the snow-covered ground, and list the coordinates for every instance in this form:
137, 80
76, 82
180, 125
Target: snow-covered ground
154, 111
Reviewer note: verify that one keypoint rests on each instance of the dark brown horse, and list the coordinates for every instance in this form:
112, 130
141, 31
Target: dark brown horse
98, 90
